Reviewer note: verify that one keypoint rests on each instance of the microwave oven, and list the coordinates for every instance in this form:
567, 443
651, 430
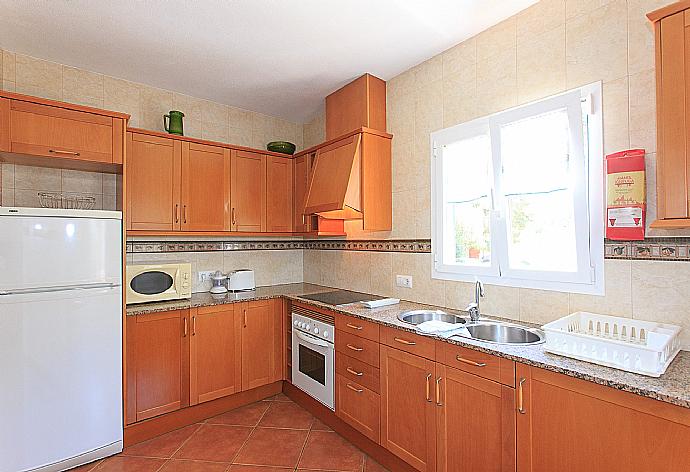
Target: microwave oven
157, 282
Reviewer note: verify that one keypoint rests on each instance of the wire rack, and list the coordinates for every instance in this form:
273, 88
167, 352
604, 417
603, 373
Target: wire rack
72, 202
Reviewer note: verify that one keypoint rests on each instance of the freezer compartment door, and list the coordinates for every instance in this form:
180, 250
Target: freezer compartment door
38, 252
61, 364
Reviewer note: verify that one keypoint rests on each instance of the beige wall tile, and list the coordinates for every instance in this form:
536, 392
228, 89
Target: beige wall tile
428, 71
8, 66
541, 65
497, 82
37, 178
460, 96
215, 131
110, 202
240, 137
542, 306
596, 45
641, 34
404, 204
617, 300
154, 104
574, 8
7, 197
615, 97
428, 109
540, 18
312, 267
191, 107
124, 96
501, 301
459, 57
382, 278
402, 84
82, 87
78, 181
9, 86
404, 175
458, 295
642, 88
497, 39
240, 119
38, 77
7, 181
110, 184
400, 116
423, 213
212, 112
26, 198
314, 132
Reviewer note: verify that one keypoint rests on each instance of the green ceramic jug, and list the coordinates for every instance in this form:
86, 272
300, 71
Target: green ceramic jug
173, 125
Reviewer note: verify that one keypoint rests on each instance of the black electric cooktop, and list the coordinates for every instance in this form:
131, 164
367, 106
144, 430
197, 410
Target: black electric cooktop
340, 297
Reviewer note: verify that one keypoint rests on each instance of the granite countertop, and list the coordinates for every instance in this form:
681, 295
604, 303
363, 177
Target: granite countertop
672, 387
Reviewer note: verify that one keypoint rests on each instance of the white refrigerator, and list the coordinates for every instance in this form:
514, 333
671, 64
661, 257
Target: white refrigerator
60, 337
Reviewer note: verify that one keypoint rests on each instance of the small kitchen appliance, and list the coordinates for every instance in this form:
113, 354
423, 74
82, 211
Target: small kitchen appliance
241, 280
219, 281
157, 282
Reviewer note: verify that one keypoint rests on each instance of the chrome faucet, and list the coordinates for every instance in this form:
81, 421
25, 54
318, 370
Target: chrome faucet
473, 308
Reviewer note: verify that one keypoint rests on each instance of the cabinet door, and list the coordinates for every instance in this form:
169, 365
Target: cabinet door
153, 182
157, 364
408, 409
261, 343
572, 425
215, 353
301, 186
279, 194
248, 201
358, 406
476, 423
205, 187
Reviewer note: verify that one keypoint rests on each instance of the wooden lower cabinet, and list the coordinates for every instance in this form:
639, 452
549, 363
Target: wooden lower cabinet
216, 353
358, 406
476, 423
261, 343
157, 364
408, 407
572, 425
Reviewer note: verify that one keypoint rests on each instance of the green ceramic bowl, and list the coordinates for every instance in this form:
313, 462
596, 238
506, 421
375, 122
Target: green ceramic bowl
281, 146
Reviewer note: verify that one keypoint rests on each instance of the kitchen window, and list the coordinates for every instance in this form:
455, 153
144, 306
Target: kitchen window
517, 197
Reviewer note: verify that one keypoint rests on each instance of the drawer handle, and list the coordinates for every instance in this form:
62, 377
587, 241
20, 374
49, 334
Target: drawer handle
354, 326
354, 372
66, 153
521, 397
186, 328
177, 212
438, 392
467, 361
428, 388
355, 389
405, 341
354, 348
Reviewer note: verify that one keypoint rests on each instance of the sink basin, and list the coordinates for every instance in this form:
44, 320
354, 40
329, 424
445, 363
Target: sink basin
416, 317
503, 333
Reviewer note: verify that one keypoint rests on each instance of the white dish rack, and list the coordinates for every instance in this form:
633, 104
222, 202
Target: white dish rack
635, 346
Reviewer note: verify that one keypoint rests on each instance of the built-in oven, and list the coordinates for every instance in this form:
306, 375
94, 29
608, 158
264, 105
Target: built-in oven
313, 354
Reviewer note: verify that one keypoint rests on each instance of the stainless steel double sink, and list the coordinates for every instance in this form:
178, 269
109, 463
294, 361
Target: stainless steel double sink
490, 331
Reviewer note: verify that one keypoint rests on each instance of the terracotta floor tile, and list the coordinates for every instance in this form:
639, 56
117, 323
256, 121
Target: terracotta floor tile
130, 464
281, 397
163, 446
258, 468
244, 416
286, 415
86, 467
217, 443
370, 465
193, 466
318, 425
276, 447
329, 451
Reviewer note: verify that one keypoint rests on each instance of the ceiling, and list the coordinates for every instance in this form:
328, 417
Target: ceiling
276, 57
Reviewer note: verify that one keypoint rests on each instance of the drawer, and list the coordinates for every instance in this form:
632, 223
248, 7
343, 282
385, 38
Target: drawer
478, 363
359, 407
361, 349
409, 342
358, 371
356, 326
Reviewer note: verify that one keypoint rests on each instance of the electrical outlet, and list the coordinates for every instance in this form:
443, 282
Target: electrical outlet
404, 281
205, 276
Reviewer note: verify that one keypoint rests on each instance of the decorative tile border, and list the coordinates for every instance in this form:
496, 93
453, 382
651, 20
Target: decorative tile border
654, 249
389, 245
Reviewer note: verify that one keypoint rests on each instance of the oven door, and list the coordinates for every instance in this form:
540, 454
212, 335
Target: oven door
313, 366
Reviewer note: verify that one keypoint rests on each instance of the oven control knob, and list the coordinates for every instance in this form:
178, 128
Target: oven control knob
316, 330
308, 327
325, 334
296, 323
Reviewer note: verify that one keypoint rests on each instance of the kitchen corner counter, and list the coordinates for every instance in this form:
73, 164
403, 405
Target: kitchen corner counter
672, 387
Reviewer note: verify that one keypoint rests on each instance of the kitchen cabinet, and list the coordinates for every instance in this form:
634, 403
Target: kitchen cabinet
358, 406
215, 352
672, 36
361, 103
205, 187
261, 329
38, 127
408, 407
157, 360
476, 423
248, 195
279, 185
302, 171
570, 425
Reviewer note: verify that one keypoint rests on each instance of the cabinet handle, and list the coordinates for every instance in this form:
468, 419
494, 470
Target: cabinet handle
521, 396
177, 212
184, 214
354, 372
232, 212
354, 326
354, 389
245, 317
186, 328
66, 153
354, 348
467, 361
405, 341
438, 392
428, 388
304, 221
193, 325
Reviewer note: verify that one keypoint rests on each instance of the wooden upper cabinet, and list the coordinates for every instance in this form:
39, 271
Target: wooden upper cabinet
476, 423
672, 35
153, 182
261, 327
572, 425
302, 171
408, 407
279, 194
205, 187
37, 127
248, 191
215, 352
361, 103
157, 364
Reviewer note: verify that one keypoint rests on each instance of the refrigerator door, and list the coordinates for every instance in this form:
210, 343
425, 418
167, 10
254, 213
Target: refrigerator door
39, 250
61, 364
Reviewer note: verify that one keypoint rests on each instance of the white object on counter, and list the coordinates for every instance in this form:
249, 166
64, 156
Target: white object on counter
241, 280
642, 347
441, 328
381, 302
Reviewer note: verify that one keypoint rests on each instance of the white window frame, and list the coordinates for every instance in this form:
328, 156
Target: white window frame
588, 198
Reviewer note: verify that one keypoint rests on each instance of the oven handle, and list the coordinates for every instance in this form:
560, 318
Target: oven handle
311, 339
